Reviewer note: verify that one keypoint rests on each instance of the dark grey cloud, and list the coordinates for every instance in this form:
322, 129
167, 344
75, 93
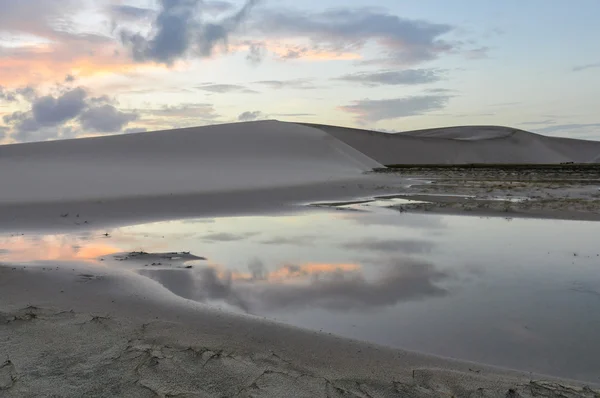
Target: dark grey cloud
302, 84
406, 246
580, 68
375, 110
250, 116
406, 41
391, 77
105, 119
226, 88
178, 32
52, 111
48, 115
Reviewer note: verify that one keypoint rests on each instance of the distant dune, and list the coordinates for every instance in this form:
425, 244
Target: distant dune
465, 145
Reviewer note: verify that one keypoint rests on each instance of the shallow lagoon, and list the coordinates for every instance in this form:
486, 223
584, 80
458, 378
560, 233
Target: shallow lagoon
519, 293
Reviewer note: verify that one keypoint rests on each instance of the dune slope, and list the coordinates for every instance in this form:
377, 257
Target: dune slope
465, 145
221, 158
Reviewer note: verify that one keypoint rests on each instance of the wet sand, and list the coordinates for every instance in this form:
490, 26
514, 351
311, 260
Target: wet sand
64, 333
569, 192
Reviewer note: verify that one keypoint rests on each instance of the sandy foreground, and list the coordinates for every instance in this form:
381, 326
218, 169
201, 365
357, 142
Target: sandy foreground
66, 330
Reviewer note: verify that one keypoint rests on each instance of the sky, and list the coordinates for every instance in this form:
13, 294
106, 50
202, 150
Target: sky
77, 68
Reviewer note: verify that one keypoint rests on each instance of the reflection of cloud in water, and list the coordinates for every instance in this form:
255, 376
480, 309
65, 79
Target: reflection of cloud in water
391, 218
202, 285
330, 286
228, 237
407, 246
288, 272
52, 247
304, 240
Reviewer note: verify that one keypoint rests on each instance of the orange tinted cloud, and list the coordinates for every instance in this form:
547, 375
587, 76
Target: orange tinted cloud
49, 63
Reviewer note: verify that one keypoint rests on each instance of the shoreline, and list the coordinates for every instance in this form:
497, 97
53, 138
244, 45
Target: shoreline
123, 329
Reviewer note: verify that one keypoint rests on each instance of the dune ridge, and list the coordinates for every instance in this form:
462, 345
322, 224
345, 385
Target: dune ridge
466, 145
219, 158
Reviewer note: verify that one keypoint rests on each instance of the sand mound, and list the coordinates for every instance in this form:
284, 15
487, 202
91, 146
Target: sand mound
221, 158
467, 133
465, 145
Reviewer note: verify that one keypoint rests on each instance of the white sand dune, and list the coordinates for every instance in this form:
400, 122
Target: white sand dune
253, 156
466, 145
221, 158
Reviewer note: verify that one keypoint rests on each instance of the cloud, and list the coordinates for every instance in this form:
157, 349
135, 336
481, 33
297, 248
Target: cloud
390, 77
217, 7
106, 119
250, 116
580, 68
178, 32
294, 114
574, 130
375, 110
303, 84
184, 115
48, 115
536, 122
226, 88
256, 53
52, 111
393, 246
406, 41
7, 95
133, 130
477, 53
125, 12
